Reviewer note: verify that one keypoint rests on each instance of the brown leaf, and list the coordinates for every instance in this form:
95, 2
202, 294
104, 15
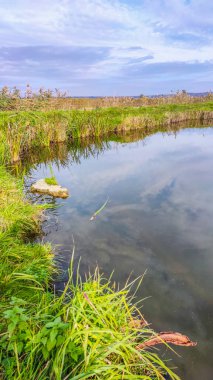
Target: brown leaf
167, 337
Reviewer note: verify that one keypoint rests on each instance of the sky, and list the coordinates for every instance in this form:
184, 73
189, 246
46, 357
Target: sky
107, 47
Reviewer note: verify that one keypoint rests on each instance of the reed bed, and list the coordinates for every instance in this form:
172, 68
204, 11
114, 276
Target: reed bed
22, 131
46, 100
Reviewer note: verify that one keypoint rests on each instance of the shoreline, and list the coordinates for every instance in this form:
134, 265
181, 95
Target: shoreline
22, 131
40, 328
41, 332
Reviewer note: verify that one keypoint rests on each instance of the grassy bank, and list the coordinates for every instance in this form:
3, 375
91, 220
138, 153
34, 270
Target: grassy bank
90, 331
22, 131
22, 263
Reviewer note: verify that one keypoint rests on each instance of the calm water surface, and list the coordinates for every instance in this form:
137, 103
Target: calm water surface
159, 219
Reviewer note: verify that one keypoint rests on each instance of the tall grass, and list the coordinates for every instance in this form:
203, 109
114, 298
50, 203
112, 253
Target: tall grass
22, 131
22, 263
46, 100
87, 332
92, 330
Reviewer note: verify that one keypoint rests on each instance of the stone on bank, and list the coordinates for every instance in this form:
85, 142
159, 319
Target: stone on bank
42, 187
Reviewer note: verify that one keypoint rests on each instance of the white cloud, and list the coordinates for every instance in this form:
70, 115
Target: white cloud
162, 31
107, 23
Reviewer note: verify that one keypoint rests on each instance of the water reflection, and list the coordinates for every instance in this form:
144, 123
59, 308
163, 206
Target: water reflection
159, 219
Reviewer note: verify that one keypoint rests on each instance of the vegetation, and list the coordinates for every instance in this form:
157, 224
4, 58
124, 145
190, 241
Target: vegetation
51, 181
91, 330
23, 131
45, 99
23, 264
90, 334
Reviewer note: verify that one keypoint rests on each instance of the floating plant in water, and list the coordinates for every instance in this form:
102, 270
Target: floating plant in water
99, 210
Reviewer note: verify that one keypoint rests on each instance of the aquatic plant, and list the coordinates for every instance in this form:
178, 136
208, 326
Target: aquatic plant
99, 210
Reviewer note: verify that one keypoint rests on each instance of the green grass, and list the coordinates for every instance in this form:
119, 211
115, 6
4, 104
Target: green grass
51, 181
25, 130
83, 333
22, 263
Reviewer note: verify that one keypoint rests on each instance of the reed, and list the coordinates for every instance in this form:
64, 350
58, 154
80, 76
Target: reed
22, 131
46, 100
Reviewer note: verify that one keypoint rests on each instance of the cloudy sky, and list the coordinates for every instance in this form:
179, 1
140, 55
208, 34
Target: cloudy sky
107, 47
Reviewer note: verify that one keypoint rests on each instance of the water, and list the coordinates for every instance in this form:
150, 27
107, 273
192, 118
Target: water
159, 219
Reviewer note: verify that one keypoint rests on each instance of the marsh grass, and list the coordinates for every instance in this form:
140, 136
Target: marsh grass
24, 131
47, 100
18, 217
22, 263
86, 332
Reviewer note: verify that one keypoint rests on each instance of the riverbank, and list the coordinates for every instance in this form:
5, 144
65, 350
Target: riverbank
91, 330
93, 333
22, 131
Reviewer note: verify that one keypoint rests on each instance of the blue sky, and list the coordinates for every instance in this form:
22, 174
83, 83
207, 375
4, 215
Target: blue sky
107, 47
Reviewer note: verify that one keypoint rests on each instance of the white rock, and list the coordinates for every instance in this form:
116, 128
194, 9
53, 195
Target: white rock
55, 190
